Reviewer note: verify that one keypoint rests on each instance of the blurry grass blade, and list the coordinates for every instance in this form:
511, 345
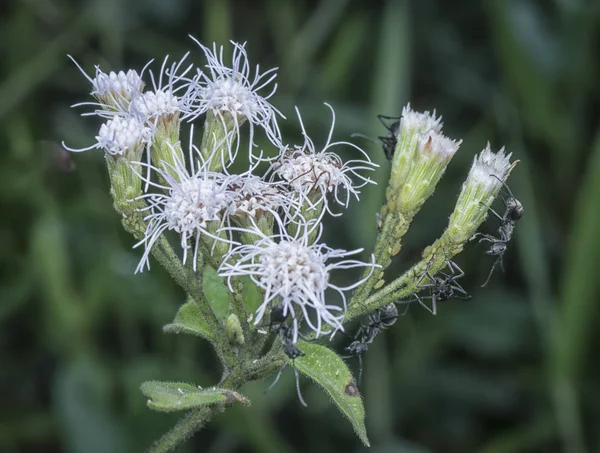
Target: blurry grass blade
312, 38
217, 23
579, 300
52, 55
390, 88
178, 396
328, 370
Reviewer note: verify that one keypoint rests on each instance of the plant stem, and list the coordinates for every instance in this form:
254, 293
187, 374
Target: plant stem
435, 258
184, 429
192, 284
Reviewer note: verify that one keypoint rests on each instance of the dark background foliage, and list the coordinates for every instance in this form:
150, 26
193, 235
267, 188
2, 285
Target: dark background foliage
512, 370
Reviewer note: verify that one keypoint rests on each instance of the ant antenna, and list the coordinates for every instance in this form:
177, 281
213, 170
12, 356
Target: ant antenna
365, 137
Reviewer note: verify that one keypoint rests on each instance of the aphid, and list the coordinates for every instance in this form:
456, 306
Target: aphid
514, 211
377, 321
442, 286
387, 141
286, 334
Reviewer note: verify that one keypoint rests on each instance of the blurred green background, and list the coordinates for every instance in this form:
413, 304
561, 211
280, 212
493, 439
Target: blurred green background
512, 370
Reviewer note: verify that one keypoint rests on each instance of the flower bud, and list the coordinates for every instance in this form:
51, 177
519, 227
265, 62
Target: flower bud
116, 89
433, 152
234, 330
487, 174
413, 126
124, 140
161, 111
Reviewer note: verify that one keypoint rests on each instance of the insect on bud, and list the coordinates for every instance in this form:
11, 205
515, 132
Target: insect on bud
413, 126
487, 174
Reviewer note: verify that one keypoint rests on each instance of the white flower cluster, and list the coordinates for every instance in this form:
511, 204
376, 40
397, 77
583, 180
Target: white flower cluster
264, 226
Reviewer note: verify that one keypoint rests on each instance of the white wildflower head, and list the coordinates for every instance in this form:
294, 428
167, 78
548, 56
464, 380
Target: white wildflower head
312, 174
232, 93
294, 272
192, 204
154, 104
487, 174
113, 91
162, 102
116, 86
121, 137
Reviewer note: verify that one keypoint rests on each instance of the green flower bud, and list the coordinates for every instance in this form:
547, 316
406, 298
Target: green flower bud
234, 330
485, 179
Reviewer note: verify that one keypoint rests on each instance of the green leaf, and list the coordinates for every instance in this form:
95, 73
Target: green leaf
177, 396
216, 292
252, 298
328, 370
189, 320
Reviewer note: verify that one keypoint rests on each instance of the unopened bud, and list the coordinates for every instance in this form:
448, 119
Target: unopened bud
487, 174
413, 126
234, 330
433, 153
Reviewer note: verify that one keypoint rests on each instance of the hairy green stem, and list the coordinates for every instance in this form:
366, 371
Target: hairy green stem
388, 244
185, 428
192, 284
435, 258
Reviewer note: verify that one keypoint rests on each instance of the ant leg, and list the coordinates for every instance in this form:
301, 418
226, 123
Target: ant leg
492, 211
276, 378
491, 271
360, 368
384, 117
434, 304
459, 288
505, 186
487, 237
453, 266
423, 304
298, 388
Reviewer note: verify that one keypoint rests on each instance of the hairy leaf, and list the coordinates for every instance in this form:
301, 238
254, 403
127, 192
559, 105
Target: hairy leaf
328, 370
176, 396
216, 292
189, 320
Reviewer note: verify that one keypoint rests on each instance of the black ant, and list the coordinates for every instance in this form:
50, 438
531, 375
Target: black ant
286, 334
514, 211
387, 141
377, 321
443, 286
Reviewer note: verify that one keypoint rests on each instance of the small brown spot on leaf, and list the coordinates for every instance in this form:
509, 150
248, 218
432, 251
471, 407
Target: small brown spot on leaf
352, 389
